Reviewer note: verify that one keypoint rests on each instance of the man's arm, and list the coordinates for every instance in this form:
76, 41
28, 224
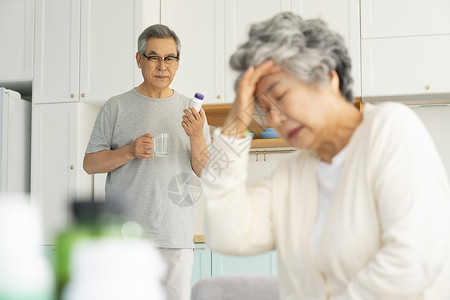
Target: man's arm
199, 155
193, 125
108, 160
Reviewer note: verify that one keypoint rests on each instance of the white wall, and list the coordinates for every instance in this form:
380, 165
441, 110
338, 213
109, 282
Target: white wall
437, 120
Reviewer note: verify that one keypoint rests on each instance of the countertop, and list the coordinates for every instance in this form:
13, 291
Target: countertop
199, 238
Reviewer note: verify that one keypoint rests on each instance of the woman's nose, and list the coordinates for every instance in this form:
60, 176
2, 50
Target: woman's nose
277, 116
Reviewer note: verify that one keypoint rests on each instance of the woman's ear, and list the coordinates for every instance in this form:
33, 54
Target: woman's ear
334, 82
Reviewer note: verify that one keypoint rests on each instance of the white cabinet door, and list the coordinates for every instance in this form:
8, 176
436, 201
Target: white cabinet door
85, 49
108, 48
240, 15
59, 137
342, 17
413, 66
16, 36
56, 73
263, 161
200, 26
211, 31
386, 18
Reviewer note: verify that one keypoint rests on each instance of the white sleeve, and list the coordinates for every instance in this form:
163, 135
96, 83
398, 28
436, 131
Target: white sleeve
412, 197
238, 220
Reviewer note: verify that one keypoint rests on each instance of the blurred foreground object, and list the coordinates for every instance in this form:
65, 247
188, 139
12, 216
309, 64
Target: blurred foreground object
103, 256
25, 274
115, 269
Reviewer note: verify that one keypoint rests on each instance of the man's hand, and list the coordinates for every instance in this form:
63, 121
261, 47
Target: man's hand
193, 122
141, 146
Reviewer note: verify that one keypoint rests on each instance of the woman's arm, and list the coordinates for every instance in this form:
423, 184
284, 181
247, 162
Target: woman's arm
238, 220
413, 195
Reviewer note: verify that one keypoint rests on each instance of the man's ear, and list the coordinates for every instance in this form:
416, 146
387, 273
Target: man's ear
178, 62
138, 59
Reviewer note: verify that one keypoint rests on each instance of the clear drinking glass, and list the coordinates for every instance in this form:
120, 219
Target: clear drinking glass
160, 142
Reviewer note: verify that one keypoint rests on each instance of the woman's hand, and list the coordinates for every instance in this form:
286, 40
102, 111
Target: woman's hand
241, 113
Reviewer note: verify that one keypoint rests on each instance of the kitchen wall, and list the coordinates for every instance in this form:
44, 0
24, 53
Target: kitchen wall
437, 120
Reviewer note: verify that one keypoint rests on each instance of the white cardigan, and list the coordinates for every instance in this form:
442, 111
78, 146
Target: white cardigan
387, 235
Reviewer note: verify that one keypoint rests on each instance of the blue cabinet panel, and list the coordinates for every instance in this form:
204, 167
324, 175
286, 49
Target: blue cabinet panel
202, 263
244, 265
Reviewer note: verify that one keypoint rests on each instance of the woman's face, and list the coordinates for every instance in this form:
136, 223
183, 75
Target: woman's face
297, 110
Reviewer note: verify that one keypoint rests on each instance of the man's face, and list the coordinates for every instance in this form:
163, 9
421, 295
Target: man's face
158, 75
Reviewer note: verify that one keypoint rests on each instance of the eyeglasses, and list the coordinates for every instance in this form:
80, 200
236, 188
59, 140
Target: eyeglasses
169, 60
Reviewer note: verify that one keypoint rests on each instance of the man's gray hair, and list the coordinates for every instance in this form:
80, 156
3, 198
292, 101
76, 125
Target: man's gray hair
307, 49
157, 31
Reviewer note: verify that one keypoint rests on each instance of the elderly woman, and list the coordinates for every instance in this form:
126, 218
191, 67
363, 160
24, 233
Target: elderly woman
362, 210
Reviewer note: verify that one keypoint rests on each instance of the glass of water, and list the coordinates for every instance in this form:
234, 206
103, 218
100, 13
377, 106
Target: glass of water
160, 142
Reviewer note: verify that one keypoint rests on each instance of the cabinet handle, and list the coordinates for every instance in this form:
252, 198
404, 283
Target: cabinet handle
257, 152
200, 248
218, 97
83, 95
264, 155
72, 95
72, 167
427, 87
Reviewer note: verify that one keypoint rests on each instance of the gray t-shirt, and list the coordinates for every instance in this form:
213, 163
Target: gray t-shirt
160, 191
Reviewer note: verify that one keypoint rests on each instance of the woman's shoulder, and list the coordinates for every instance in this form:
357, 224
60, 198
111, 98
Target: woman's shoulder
392, 121
389, 112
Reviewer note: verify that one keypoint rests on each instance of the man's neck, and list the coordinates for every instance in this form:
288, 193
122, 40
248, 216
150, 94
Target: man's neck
152, 93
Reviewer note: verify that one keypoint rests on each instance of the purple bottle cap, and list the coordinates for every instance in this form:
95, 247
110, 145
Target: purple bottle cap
199, 96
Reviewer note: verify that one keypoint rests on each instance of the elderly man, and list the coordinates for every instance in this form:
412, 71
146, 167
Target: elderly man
121, 145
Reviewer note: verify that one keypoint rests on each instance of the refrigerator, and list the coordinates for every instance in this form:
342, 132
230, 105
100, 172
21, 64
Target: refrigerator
15, 144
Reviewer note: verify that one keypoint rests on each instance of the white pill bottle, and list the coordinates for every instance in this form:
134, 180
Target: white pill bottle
197, 101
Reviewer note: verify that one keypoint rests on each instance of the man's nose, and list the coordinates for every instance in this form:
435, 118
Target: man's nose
162, 65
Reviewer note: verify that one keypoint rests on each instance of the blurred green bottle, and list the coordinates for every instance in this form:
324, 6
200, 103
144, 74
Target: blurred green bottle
92, 220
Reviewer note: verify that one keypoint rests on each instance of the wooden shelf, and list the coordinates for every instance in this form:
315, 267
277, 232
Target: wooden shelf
269, 143
216, 114
199, 238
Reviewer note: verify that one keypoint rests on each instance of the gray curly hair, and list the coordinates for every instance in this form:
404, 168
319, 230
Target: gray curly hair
307, 49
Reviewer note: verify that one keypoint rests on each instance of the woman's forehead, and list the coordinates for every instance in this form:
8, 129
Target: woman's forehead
268, 82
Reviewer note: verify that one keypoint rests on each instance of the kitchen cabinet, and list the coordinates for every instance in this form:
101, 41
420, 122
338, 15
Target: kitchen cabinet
16, 34
202, 61
261, 264
401, 18
216, 28
208, 263
343, 17
263, 161
60, 133
202, 263
404, 50
50, 254
85, 49
408, 67
240, 15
